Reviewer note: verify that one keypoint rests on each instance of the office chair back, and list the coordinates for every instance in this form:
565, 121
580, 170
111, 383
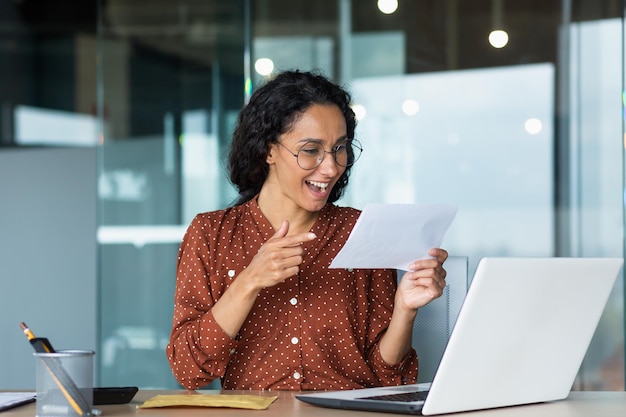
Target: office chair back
435, 321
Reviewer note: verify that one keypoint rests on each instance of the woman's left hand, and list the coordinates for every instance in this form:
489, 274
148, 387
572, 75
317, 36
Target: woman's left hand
423, 283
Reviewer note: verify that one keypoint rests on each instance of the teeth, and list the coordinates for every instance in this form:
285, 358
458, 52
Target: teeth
321, 185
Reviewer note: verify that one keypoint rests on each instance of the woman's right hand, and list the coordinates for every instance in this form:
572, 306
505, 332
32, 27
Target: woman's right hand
278, 259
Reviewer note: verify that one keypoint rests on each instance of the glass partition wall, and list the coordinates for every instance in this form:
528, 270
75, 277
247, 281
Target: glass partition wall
521, 128
510, 109
171, 83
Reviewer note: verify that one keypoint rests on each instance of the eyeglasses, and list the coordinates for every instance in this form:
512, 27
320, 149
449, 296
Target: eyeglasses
311, 154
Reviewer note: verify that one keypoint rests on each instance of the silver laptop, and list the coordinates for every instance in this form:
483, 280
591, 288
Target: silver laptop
520, 338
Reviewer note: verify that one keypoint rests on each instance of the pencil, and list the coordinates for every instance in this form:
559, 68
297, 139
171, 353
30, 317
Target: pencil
65, 383
27, 331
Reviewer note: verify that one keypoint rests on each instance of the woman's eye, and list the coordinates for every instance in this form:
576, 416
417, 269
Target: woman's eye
310, 151
341, 147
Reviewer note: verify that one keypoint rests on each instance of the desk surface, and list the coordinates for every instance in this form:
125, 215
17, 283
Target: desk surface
578, 404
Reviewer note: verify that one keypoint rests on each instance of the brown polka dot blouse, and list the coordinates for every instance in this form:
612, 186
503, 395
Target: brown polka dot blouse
318, 330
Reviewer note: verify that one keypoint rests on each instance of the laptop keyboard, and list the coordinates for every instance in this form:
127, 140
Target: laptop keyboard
401, 397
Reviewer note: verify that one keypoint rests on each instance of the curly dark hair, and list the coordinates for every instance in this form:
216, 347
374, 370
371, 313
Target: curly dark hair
271, 112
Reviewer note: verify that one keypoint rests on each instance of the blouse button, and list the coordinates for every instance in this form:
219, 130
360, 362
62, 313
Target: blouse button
293, 301
296, 375
350, 269
294, 340
231, 273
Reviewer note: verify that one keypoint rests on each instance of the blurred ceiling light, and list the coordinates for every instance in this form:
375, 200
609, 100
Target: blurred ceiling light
264, 66
387, 6
410, 107
533, 126
359, 111
498, 38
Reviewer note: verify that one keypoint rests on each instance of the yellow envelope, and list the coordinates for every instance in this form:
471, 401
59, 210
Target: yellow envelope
253, 402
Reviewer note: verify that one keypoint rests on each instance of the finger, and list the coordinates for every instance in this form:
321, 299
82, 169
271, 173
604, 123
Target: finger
424, 264
282, 230
292, 240
440, 254
435, 285
421, 277
426, 274
443, 274
295, 240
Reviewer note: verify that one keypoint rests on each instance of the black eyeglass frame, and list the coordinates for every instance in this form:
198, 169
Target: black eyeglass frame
352, 143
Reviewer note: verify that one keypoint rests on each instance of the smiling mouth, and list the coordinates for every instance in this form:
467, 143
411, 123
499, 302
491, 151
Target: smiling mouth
320, 186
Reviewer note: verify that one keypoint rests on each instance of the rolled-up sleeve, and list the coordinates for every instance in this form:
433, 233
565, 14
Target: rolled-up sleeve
198, 350
401, 373
381, 296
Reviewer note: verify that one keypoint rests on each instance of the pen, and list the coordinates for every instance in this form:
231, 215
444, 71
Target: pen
58, 373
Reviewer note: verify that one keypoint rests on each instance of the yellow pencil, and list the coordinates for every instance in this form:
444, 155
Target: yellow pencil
27, 331
42, 345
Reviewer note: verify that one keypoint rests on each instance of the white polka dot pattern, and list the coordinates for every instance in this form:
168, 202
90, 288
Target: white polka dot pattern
317, 330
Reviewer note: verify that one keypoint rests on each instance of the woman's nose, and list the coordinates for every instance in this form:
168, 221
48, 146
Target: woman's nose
328, 166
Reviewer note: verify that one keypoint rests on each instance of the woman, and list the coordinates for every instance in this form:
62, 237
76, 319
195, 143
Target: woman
255, 302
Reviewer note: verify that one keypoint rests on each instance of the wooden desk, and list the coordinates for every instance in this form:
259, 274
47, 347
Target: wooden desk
578, 404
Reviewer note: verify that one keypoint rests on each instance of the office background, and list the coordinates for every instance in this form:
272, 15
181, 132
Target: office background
115, 117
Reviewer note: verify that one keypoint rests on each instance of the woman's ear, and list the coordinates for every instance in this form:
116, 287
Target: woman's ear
270, 155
